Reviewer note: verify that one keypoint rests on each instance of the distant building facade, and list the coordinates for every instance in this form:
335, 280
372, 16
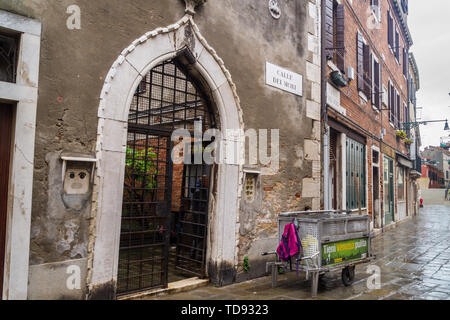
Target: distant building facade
440, 157
433, 177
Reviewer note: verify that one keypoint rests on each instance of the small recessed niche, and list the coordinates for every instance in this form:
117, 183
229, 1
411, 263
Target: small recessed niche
251, 179
77, 179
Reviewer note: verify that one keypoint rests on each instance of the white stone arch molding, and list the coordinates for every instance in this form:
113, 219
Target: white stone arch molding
120, 85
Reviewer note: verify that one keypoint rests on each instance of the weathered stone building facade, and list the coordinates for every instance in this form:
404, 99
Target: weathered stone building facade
95, 61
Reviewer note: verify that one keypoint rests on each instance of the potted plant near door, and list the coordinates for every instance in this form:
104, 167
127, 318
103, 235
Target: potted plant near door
140, 175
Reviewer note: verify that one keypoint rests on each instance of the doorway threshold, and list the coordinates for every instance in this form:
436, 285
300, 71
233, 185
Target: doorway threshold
173, 287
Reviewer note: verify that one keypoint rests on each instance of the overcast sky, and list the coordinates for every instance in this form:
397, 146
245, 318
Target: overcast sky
429, 23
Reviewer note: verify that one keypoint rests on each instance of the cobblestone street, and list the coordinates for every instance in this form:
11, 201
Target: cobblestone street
414, 260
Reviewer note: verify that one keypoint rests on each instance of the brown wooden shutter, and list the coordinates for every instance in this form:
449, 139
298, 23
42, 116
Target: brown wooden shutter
376, 85
329, 29
390, 30
380, 105
399, 115
333, 146
405, 62
360, 61
397, 45
367, 71
392, 104
394, 109
389, 99
340, 37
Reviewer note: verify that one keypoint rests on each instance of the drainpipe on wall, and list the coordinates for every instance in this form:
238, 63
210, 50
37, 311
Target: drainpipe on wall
324, 111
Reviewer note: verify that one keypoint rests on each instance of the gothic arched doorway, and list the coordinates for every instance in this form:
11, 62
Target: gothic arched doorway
116, 96
165, 205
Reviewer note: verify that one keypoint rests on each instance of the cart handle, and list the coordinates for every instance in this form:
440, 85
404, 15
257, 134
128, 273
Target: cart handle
310, 257
268, 253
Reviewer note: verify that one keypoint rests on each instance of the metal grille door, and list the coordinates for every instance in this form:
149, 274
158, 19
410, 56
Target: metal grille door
191, 246
145, 214
155, 189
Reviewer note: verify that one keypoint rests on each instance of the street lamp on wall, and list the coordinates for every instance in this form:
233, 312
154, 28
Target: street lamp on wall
415, 124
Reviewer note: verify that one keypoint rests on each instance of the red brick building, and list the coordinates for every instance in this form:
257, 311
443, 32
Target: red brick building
367, 45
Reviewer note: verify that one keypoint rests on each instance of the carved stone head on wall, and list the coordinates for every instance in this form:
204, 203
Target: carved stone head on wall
192, 4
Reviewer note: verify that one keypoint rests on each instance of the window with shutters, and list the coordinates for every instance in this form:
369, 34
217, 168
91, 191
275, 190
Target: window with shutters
364, 66
377, 83
355, 174
393, 37
412, 90
406, 118
376, 9
397, 45
392, 103
390, 30
405, 62
335, 33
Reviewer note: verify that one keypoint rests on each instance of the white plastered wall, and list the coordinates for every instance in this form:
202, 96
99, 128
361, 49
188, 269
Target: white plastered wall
121, 82
23, 94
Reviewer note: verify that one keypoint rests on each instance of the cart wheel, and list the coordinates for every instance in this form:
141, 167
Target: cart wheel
348, 275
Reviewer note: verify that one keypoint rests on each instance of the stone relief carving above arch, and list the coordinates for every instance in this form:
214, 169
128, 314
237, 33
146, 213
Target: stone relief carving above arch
192, 4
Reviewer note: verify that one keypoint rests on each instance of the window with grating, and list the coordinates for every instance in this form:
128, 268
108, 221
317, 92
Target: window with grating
9, 45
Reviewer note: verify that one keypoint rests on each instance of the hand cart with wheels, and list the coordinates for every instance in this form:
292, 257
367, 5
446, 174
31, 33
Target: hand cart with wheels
332, 240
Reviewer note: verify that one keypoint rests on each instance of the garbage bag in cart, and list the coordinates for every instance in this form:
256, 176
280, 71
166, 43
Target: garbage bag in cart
331, 240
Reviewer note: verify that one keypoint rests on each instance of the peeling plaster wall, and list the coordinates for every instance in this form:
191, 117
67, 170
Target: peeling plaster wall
74, 64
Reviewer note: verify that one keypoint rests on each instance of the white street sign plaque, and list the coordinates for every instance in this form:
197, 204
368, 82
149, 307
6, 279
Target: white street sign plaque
284, 79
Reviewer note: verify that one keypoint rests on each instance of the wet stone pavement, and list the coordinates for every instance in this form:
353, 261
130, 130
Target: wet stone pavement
414, 258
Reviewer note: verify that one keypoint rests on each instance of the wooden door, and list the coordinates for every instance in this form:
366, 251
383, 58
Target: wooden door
6, 117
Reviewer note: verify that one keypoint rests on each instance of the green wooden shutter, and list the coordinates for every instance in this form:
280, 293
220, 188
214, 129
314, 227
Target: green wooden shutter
355, 168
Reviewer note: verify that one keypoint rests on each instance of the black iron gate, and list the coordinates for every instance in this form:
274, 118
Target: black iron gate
166, 100
146, 209
191, 244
